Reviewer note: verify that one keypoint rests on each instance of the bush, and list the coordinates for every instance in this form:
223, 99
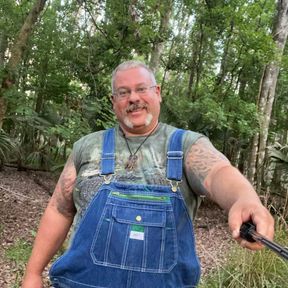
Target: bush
6, 147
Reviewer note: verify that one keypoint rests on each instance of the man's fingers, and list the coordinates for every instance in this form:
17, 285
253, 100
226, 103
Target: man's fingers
264, 225
236, 218
235, 233
260, 217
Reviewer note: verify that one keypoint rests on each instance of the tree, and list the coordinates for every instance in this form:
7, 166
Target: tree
267, 92
158, 45
17, 50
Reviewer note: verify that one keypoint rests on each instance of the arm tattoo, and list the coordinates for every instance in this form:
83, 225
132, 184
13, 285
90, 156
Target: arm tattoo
201, 160
62, 197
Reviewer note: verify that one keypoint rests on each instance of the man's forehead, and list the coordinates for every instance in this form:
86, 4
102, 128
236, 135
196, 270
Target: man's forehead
135, 76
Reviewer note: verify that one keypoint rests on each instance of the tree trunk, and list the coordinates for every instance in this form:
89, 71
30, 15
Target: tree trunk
17, 51
3, 48
196, 62
223, 68
267, 95
253, 159
166, 73
199, 65
158, 45
40, 99
268, 86
192, 75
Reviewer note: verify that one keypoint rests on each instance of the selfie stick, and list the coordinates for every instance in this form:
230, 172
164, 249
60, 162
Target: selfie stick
248, 232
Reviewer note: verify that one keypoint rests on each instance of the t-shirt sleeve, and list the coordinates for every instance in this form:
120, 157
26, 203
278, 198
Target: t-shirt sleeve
76, 152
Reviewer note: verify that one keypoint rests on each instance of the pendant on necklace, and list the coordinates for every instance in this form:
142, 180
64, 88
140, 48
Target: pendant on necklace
132, 162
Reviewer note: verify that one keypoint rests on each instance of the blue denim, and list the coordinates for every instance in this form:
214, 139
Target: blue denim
132, 236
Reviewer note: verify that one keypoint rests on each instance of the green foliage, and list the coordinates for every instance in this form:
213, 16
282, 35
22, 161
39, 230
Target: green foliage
70, 129
276, 176
241, 116
99, 113
251, 269
12, 14
39, 159
19, 252
279, 154
210, 117
7, 147
212, 57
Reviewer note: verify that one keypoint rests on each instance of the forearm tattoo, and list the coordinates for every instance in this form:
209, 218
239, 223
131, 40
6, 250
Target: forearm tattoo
62, 197
202, 158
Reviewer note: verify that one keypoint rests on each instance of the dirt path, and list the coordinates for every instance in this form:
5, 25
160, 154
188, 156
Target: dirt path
23, 198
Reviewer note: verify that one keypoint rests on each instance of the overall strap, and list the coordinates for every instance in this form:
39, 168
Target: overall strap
108, 152
175, 156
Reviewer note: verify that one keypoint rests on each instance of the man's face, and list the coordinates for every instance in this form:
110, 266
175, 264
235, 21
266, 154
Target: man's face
139, 112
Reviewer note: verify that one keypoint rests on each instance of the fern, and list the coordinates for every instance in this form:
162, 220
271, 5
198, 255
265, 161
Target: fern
7, 146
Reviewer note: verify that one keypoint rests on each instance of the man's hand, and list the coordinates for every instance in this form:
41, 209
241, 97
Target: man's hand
245, 210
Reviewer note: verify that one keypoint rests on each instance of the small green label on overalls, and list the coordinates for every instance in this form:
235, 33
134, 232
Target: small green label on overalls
141, 197
137, 232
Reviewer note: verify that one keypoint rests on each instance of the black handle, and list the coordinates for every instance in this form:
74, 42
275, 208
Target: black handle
248, 232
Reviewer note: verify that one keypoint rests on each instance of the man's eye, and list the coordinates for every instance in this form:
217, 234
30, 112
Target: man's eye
122, 93
141, 90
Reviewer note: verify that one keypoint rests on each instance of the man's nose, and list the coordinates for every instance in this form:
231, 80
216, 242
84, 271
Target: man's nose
134, 96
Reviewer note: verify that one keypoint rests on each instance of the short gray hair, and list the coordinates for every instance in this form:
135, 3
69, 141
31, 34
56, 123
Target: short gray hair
128, 65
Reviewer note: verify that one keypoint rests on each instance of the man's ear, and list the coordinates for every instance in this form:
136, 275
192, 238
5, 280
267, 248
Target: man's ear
158, 92
112, 99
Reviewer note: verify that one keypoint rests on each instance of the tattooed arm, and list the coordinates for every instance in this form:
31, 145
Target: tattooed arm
216, 178
54, 226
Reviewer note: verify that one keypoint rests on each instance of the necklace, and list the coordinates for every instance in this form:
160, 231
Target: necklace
132, 160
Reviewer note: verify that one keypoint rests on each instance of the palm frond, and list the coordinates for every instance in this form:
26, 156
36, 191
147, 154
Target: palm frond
7, 146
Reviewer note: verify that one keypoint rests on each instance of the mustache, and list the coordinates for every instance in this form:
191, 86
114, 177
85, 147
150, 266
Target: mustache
135, 106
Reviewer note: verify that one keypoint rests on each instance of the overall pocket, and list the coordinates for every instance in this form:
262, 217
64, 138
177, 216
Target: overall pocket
136, 232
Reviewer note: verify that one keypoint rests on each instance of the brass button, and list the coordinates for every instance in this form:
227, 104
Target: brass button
138, 218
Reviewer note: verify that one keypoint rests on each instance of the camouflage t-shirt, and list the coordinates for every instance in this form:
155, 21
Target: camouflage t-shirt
150, 169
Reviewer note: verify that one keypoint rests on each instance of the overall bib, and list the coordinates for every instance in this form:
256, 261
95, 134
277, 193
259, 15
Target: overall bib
132, 236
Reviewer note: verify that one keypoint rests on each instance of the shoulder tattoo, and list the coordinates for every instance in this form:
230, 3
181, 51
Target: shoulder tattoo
62, 197
201, 159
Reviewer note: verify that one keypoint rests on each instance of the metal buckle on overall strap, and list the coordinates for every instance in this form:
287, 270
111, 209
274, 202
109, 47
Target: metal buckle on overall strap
107, 178
174, 185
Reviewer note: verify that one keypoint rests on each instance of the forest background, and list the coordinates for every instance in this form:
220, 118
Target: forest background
222, 66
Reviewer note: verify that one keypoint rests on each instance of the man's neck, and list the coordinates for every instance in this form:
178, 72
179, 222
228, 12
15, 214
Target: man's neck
141, 131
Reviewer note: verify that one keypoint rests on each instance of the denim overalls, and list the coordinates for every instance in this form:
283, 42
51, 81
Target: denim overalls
132, 235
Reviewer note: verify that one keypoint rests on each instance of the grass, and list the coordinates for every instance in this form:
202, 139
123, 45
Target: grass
249, 269
18, 253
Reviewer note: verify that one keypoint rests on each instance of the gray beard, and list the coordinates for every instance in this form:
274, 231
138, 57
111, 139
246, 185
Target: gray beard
148, 121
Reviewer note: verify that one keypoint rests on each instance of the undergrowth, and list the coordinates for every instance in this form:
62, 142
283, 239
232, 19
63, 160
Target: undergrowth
18, 253
252, 269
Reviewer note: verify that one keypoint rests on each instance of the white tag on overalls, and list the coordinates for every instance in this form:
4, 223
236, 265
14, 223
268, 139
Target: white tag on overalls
137, 232
88, 173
